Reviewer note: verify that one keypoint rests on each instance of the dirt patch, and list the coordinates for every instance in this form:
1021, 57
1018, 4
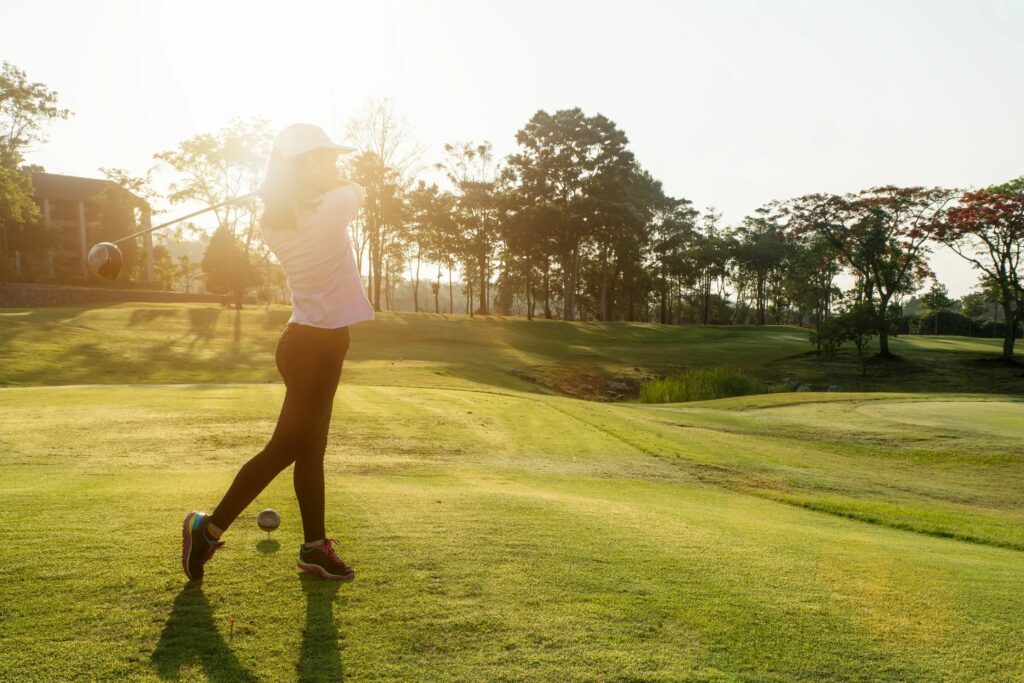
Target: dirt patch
585, 383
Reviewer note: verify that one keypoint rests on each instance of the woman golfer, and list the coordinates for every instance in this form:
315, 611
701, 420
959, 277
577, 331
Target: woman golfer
307, 209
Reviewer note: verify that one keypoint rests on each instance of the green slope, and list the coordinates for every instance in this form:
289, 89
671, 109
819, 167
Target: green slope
149, 343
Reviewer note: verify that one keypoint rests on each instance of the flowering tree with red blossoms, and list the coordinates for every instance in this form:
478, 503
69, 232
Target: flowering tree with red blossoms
881, 233
986, 228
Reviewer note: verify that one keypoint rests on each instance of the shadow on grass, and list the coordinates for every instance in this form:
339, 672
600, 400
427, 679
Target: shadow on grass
190, 638
268, 546
142, 316
320, 658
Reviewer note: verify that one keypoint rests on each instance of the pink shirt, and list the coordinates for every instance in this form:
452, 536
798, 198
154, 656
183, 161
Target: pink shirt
320, 263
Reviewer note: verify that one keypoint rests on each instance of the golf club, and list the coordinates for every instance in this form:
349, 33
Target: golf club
105, 258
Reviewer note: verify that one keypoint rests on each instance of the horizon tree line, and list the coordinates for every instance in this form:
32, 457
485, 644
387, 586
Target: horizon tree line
569, 225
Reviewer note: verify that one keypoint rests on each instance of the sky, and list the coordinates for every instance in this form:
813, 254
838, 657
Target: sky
729, 103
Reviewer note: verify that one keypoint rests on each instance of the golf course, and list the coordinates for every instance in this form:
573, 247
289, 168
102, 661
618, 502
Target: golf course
502, 526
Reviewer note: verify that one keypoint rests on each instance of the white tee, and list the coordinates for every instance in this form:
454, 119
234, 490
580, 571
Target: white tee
320, 263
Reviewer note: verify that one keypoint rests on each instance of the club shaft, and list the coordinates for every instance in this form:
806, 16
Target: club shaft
186, 217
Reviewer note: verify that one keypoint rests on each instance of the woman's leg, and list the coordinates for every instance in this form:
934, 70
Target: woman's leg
309, 392
308, 475
308, 478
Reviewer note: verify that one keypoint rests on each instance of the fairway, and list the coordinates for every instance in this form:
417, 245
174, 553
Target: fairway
501, 531
1002, 418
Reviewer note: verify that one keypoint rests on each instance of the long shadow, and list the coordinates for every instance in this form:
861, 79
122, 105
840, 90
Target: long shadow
191, 638
320, 658
141, 316
16, 321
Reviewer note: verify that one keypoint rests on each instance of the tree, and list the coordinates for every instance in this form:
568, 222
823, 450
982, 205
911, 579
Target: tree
937, 300
856, 323
761, 252
674, 231
473, 173
384, 168
560, 162
625, 207
708, 258
383, 214
431, 230
163, 267
527, 232
20, 219
974, 306
226, 266
214, 167
25, 108
188, 270
882, 234
809, 281
986, 228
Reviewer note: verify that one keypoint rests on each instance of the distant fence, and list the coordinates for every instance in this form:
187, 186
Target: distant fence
18, 295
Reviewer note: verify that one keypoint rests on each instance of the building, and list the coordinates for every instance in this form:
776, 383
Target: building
72, 205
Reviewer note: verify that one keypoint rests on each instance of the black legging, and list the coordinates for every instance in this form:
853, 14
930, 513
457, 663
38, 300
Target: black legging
309, 359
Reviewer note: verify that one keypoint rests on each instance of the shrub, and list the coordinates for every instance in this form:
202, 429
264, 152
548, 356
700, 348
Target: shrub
701, 385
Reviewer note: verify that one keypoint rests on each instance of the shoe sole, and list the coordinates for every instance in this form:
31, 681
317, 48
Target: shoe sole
186, 541
317, 569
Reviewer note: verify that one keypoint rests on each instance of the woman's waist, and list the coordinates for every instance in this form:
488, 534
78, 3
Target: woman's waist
314, 329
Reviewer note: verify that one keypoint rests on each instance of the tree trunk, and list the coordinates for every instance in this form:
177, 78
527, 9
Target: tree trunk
547, 289
706, 294
762, 300
1011, 330
482, 265
663, 317
377, 258
883, 329
604, 284
451, 294
568, 286
416, 285
529, 291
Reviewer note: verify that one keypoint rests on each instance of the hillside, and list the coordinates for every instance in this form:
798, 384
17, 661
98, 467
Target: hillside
150, 343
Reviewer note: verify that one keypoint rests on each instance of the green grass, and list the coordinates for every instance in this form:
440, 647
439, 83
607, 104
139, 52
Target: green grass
701, 385
153, 343
501, 532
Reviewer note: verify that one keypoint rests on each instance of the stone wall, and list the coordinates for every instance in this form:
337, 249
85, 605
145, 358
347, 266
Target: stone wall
16, 295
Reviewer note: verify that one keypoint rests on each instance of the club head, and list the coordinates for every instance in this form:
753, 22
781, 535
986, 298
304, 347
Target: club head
105, 260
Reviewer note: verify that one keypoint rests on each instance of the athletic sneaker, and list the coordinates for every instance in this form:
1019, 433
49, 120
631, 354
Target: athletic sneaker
196, 546
324, 561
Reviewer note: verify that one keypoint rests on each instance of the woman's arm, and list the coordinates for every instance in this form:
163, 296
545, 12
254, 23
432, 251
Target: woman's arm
360, 192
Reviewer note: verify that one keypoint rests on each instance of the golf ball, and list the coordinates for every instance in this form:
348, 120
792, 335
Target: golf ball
268, 519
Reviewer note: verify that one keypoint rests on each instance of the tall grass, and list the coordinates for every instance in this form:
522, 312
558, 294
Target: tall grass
701, 385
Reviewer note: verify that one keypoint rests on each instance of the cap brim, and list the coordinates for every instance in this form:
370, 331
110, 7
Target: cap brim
342, 149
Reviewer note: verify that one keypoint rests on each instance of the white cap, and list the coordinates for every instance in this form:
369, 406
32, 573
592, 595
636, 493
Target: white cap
299, 138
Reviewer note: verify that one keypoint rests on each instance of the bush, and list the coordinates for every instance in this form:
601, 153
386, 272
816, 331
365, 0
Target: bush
701, 385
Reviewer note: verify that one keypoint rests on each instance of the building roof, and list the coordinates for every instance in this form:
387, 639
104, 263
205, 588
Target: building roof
54, 186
